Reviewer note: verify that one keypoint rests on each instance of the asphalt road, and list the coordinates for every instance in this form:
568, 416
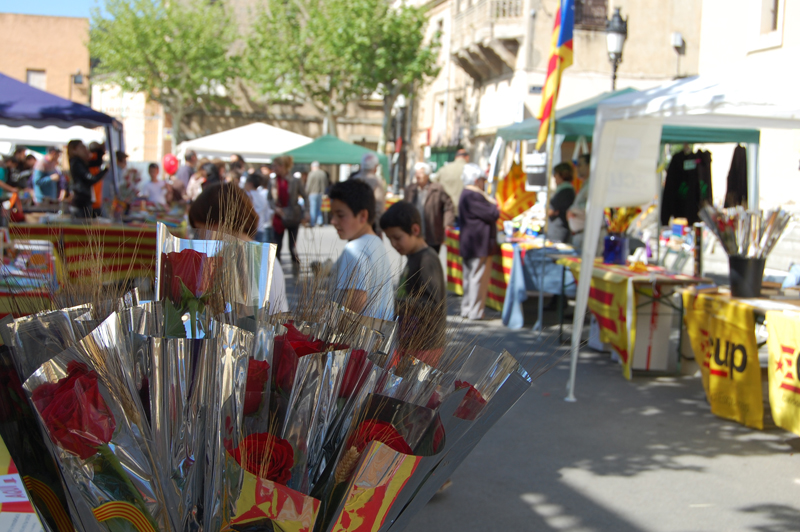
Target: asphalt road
629, 456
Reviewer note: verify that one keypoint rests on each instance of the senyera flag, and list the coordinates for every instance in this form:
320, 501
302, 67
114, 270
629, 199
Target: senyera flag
560, 58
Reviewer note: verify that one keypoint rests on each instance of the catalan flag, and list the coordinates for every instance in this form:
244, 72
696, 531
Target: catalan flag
560, 58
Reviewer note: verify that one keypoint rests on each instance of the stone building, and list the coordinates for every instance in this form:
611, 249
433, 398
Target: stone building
494, 63
48, 53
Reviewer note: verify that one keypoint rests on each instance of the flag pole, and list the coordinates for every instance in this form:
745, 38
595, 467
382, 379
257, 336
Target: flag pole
551, 135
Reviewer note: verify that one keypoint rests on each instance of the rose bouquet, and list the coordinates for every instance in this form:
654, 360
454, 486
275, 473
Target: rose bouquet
201, 411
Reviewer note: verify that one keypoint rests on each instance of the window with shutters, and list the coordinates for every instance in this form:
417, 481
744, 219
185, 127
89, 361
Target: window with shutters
591, 14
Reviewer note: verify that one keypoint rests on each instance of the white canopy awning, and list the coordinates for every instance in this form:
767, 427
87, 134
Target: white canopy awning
626, 143
257, 143
48, 135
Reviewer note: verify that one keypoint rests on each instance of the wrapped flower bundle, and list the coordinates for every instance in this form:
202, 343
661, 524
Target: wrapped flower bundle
201, 411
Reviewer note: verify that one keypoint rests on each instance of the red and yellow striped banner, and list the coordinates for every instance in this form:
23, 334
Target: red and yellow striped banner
123, 510
40, 490
455, 272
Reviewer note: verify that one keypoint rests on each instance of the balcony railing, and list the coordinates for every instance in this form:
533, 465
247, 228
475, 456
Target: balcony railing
500, 9
488, 19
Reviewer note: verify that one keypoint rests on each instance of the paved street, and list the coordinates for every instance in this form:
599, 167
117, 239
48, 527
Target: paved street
645, 455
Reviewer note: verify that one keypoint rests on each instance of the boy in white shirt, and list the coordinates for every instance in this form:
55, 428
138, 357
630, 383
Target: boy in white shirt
363, 274
155, 191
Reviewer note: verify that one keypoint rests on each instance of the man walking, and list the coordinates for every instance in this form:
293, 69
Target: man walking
186, 171
450, 176
316, 186
434, 205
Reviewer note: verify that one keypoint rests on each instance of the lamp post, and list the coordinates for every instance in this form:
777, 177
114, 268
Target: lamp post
616, 33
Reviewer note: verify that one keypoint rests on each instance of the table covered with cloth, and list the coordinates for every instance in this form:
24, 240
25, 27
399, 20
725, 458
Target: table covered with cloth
617, 295
722, 333
501, 267
124, 251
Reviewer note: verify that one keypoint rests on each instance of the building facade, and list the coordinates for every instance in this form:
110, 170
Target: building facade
753, 36
494, 62
143, 121
48, 53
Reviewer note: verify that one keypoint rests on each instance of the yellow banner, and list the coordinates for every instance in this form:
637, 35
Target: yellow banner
722, 333
287, 509
609, 303
380, 476
784, 358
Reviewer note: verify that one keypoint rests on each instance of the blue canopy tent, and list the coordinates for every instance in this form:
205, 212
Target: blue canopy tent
23, 105
578, 120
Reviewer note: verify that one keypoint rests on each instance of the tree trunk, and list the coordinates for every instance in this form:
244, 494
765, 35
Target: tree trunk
331, 126
176, 110
388, 104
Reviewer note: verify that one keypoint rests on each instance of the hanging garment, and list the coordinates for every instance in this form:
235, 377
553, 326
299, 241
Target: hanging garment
687, 186
737, 179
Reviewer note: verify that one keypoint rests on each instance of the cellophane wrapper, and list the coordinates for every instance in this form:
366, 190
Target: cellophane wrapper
117, 477
230, 276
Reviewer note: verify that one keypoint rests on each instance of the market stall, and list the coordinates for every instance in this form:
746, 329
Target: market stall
634, 309
22, 105
257, 143
627, 138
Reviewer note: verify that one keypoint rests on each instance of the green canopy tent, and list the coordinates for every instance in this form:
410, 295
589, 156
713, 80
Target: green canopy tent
328, 149
578, 121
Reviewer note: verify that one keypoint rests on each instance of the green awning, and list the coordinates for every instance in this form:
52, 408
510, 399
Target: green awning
578, 121
574, 121
328, 149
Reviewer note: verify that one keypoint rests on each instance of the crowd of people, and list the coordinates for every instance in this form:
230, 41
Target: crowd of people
280, 200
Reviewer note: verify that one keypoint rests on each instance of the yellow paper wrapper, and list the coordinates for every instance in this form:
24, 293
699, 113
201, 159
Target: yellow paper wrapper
289, 510
377, 481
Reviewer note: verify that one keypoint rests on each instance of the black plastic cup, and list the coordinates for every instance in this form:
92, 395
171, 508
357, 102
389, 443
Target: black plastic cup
746, 276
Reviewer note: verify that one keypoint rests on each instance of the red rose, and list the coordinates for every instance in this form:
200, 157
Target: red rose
471, 405
74, 412
285, 361
188, 268
371, 430
293, 334
257, 376
266, 456
355, 374
287, 349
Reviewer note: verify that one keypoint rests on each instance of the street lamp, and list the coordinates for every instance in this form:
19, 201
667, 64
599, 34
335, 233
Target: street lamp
616, 33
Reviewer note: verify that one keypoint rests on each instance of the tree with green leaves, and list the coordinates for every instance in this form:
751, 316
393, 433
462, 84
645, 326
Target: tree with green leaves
177, 52
332, 52
310, 50
402, 59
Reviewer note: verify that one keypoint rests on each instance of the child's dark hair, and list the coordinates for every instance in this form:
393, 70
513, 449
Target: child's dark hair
357, 195
403, 215
225, 206
255, 180
151, 166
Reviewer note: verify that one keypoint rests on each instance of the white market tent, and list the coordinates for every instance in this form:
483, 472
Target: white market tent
48, 135
627, 138
256, 142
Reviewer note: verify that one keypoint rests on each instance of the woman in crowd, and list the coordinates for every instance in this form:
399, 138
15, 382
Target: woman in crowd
286, 192
82, 179
477, 214
225, 208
